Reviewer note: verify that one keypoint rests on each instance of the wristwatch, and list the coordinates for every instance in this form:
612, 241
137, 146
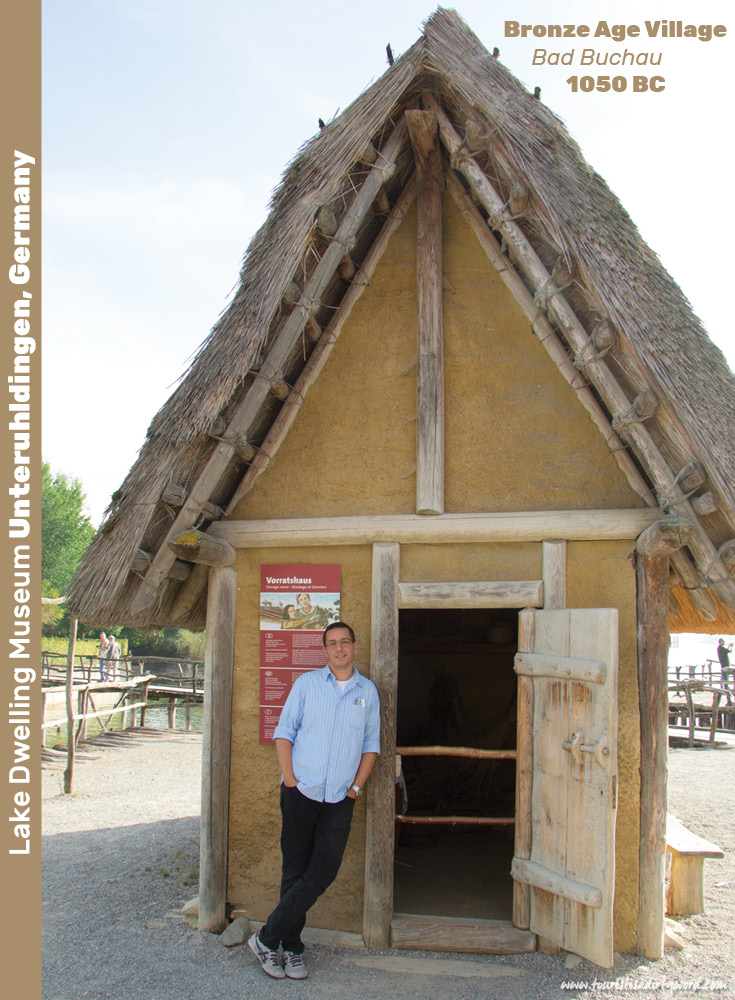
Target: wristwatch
357, 790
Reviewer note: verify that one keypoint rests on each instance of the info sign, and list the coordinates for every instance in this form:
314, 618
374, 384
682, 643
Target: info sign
296, 605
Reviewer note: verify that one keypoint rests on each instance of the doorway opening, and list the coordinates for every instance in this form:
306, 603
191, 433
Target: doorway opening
457, 692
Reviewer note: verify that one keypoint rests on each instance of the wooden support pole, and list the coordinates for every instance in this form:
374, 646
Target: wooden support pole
653, 698
555, 574
422, 129
380, 834
524, 772
200, 547
217, 730
70, 742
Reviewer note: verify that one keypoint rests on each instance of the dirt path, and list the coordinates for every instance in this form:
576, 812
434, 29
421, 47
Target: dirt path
122, 852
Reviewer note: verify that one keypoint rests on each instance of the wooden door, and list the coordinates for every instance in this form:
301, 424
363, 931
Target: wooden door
569, 668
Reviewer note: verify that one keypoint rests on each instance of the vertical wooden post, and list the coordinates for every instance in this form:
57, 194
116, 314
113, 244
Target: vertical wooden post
555, 574
524, 771
70, 742
423, 131
217, 729
653, 646
378, 906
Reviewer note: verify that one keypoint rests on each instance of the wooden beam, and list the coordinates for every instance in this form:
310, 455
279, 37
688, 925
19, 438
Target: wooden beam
441, 751
560, 667
652, 575
423, 132
200, 547
524, 772
701, 546
190, 593
287, 338
459, 934
380, 834
216, 735
541, 877
496, 594
280, 427
180, 570
530, 526
320, 354
667, 535
692, 583
548, 338
422, 129
555, 574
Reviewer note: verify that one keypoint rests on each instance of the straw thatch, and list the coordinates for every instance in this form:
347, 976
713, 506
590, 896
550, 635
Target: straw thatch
572, 217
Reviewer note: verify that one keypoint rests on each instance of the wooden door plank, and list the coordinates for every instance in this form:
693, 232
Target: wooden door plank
549, 797
590, 852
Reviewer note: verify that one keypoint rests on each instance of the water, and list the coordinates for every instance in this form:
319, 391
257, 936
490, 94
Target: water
156, 717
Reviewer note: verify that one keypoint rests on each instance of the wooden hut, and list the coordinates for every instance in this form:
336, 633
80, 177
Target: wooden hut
452, 368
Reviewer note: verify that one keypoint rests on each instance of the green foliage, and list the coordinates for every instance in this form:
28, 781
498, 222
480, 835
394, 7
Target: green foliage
83, 647
174, 642
66, 531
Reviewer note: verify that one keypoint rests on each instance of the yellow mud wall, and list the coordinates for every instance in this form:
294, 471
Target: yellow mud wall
516, 438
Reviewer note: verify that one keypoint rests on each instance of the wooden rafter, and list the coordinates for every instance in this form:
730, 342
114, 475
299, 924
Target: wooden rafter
287, 338
701, 546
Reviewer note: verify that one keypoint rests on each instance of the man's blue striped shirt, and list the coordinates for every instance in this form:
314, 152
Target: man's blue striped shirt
330, 731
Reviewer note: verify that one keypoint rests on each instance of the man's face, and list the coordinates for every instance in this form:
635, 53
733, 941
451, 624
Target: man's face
304, 602
340, 650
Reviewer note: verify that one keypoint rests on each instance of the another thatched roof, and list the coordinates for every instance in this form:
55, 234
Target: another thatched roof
573, 222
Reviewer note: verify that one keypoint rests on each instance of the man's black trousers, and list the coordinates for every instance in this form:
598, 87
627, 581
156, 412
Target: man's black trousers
313, 840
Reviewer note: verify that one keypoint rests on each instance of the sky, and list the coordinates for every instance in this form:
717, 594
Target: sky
168, 123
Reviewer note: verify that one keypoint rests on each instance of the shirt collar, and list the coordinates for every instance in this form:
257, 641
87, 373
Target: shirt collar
356, 675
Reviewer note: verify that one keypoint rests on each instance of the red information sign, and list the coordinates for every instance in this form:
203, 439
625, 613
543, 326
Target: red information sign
297, 602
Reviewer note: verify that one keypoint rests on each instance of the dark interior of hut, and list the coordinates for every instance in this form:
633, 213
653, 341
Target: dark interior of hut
456, 688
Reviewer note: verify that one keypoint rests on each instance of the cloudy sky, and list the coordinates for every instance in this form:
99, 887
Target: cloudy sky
167, 124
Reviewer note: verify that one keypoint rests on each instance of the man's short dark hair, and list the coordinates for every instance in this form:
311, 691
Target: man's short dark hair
336, 625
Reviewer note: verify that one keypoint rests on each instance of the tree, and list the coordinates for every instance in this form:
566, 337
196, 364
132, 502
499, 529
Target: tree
66, 531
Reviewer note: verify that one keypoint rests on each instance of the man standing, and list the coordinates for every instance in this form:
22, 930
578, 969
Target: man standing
723, 655
113, 655
327, 741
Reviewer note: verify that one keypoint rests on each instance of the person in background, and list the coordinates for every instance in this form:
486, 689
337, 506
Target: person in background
113, 655
102, 653
723, 655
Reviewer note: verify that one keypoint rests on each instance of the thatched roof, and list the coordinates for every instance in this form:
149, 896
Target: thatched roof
573, 223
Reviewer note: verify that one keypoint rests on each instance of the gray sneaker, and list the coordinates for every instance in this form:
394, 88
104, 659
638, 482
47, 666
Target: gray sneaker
270, 963
294, 965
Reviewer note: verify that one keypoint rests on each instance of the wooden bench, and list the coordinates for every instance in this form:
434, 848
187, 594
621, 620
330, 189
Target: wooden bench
686, 883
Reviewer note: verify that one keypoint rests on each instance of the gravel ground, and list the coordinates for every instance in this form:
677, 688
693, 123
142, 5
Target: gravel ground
121, 853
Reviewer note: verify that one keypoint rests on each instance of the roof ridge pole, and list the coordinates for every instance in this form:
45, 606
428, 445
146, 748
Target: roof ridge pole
424, 133
286, 339
701, 546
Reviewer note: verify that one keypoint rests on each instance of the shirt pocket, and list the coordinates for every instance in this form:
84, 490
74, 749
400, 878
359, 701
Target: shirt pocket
356, 716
